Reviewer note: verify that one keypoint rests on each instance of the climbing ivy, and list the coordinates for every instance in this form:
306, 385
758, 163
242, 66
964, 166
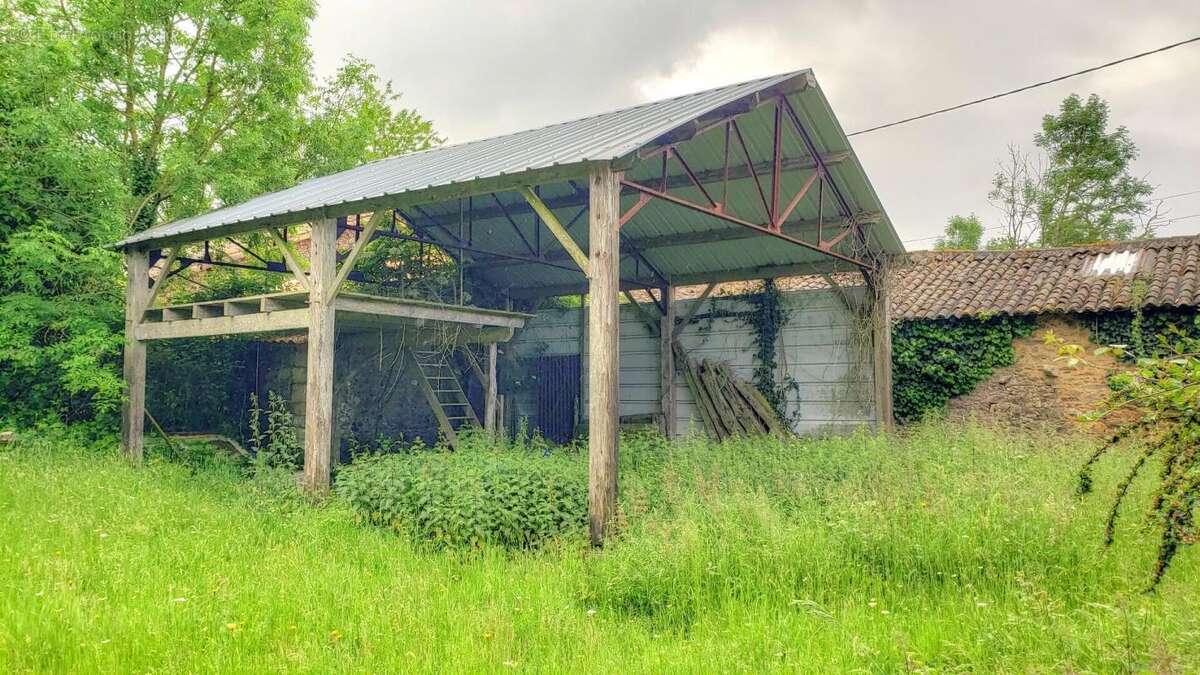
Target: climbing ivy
1138, 329
934, 360
766, 320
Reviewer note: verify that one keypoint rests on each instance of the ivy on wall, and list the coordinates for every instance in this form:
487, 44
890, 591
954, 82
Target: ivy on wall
766, 321
934, 360
1139, 329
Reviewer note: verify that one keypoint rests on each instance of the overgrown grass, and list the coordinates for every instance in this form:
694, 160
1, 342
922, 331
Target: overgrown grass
949, 549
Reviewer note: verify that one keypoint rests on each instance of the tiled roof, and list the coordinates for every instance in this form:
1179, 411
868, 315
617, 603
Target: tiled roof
1094, 278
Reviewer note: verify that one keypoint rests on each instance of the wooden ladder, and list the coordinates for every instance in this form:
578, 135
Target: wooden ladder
444, 393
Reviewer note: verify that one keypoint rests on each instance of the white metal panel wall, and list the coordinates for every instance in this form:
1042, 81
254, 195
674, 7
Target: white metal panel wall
818, 351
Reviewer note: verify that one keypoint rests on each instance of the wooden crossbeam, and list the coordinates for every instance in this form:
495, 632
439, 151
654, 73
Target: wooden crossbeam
159, 282
373, 224
649, 319
289, 257
556, 228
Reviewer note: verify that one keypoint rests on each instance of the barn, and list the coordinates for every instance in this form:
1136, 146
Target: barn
750, 181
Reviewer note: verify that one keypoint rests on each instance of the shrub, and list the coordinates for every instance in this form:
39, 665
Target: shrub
508, 497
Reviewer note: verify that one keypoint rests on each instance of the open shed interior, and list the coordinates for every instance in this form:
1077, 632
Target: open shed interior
750, 181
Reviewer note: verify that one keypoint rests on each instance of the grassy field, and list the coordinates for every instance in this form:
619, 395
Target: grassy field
948, 549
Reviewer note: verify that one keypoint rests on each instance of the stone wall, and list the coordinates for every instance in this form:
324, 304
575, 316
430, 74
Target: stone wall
1038, 392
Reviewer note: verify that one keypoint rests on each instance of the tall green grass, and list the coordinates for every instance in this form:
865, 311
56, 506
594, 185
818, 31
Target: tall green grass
946, 549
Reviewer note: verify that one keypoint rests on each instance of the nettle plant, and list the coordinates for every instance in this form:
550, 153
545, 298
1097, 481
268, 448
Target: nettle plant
1164, 390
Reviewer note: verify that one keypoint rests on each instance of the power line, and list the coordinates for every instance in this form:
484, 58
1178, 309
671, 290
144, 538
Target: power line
1027, 87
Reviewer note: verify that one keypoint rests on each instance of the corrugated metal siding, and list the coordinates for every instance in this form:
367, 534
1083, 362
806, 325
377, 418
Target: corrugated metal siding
833, 384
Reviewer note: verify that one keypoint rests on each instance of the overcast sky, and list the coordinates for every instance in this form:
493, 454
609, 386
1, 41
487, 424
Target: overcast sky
483, 68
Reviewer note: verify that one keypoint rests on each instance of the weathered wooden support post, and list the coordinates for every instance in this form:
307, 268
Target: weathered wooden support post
318, 400
603, 343
666, 361
133, 410
489, 404
881, 344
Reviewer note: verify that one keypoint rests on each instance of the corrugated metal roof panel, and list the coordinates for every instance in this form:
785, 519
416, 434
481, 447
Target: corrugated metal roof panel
682, 245
607, 136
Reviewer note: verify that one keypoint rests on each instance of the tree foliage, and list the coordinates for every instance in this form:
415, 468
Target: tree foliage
1088, 193
962, 233
1165, 391
59, 293
116, 116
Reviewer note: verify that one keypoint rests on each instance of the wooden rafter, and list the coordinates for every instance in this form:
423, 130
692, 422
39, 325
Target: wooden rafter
289, 257
367, 233
556, 228
160, 281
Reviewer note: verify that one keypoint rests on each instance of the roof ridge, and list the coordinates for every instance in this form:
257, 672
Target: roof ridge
1145, 243
614, 111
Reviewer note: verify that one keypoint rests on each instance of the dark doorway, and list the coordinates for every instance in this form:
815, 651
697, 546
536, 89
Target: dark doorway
558, 396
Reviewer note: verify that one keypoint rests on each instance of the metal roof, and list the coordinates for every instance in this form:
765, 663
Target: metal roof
556, 158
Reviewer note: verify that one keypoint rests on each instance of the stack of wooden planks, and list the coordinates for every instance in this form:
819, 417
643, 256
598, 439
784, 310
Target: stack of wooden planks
728, 406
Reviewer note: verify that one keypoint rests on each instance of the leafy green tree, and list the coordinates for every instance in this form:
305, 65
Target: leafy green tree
193, 88
1088, 193
59, 198
962, 233
1164, 390
117, 116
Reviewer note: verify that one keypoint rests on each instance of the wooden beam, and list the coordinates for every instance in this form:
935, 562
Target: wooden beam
800, 228
318, 401
133, 408
160, 281
666, 363
364, 239
489, 393
687, 318
237, 324
603, 357
289, 257
650, 320
556, 228
694, 279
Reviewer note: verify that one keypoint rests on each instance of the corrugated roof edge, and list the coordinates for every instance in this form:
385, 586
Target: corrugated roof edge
620, 152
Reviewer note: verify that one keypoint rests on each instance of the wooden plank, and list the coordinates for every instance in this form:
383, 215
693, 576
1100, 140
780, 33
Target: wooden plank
666, 362
556, 228
287, 319
364, 239
489, 404
643, 313
176, 313
161, 280
208, 310
240, 307
707, 416
603, 268
749, 420
318, 401
724, 409
289, 258
133, 408
365, 304
755, 399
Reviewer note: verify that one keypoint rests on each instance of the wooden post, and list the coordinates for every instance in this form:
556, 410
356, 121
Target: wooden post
133, 409
318, 400
881, 343
666, 361
603, 344
489, 403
